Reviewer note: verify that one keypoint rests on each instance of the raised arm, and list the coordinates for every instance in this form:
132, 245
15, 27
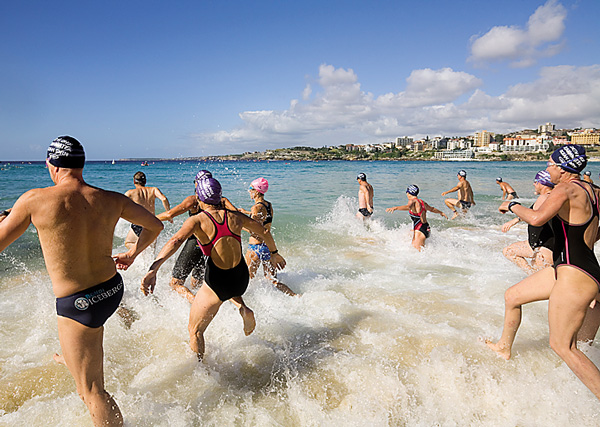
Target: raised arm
434, 210
398, 208
137, 214
187, 204
14, 224
451, 191
162, 198
186, 230
539, 216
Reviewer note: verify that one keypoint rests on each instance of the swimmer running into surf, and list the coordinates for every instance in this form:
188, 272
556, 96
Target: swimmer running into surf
465, 195
258, 253
218, 232
417, 209
572, 285
190, 259
508, 193
540, 243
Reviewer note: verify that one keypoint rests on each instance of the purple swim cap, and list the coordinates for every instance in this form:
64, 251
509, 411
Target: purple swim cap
543, 177
209, 191
570, 157
203, 174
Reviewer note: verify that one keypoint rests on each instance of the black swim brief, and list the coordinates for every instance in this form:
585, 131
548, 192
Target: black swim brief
464, 205
365, 212
514, 194
93, 306
137, 229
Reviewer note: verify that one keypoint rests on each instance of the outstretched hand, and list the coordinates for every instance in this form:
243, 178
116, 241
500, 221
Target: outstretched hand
123, 260
443, 214
148, 283
277, 261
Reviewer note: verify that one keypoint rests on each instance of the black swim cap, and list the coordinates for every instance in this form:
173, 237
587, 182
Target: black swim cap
571, 158
66, 152
499, 179
413, 190
362, 176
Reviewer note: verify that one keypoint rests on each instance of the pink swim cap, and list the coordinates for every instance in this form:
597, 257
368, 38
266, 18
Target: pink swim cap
260, 184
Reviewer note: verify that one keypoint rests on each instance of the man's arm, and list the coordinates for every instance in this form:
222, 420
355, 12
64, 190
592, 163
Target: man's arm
162, 198
451, 191
15, 224
187, 204
137, 214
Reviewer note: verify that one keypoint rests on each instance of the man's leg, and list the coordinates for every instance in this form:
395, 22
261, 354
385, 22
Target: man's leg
536, 287
570, 298
83, 356
178, 286
451, 203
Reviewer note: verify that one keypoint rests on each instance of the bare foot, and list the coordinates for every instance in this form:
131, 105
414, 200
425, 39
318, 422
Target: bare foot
59, 358
503, 352
285, 289
248, 318
454, 216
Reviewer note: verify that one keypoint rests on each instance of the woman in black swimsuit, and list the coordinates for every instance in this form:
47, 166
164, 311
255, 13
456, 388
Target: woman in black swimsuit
218, 232
540, 240
572, 285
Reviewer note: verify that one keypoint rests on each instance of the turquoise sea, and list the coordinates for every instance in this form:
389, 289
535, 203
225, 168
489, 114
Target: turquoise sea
382, 335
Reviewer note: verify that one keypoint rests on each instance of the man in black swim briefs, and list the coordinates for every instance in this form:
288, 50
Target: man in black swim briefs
465, 195
77, 246
508, 193
365, 197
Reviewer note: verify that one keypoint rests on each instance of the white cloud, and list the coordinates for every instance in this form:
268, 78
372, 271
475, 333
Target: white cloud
341, 112
523, 46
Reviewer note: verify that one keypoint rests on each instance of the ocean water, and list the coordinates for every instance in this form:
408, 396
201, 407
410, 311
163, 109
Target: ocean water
382, 335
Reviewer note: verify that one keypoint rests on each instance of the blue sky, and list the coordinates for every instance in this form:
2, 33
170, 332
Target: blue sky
195, 78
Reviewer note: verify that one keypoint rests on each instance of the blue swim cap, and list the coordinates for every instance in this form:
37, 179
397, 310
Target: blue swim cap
543, 177
588, 173
413, 190
462, 173
209, 191
570, 157
202, 175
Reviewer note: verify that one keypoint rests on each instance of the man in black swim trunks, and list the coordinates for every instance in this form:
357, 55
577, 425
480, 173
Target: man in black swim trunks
75, 223
508, 193
365, 197
465, 195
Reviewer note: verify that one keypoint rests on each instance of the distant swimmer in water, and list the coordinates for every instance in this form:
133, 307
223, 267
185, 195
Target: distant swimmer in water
144, 196
572, 285
417, 209
508, 193
75, 223
190, 259
465, 195
218, 232
365, 197
587, 177
258, 253
539, 245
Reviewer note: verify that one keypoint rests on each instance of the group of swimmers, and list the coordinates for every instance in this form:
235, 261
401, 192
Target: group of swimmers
88, 288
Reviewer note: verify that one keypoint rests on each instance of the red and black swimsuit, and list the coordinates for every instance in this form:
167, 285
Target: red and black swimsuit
569, 243
226, 283
418, 225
